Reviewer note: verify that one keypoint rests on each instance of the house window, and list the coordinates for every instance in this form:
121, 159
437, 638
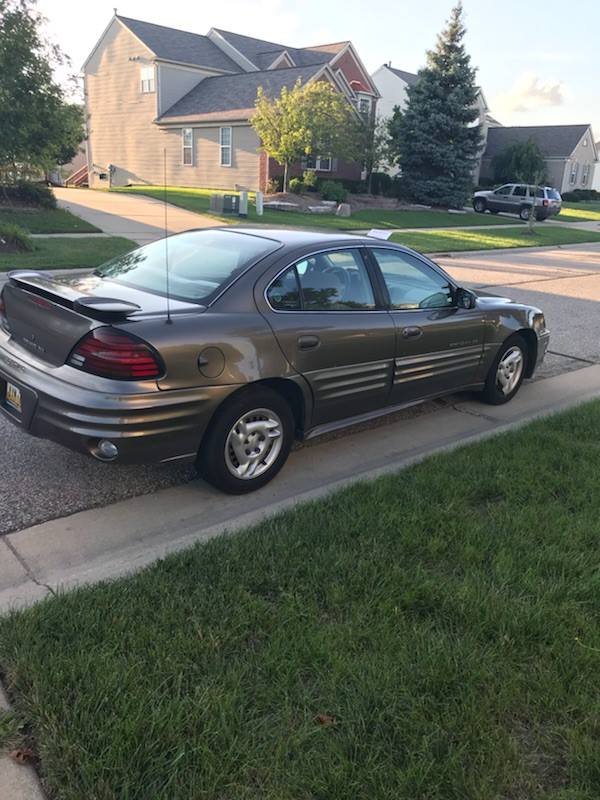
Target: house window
187, 142
585, 173
574, 171
225, 143
364, 106
147, 79
318, 163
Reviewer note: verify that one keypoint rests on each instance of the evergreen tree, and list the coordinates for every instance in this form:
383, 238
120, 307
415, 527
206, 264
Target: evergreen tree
435, 139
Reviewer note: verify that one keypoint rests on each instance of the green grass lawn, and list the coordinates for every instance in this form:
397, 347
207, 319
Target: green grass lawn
64, 253
432, 635
436, 241
54, 220
199, 199
580, 212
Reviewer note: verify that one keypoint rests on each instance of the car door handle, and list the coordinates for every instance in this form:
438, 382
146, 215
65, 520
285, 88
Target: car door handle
411, 333
308, 342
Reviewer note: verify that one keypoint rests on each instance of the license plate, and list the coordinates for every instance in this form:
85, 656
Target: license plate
13, 397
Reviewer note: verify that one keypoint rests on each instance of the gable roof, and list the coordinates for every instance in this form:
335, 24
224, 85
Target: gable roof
181, 46
555, 141
407, 77
233, 96
262, 53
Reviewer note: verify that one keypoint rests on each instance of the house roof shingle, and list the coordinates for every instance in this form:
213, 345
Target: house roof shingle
182, 46
262, 53
407, 77
225, 96
555, 141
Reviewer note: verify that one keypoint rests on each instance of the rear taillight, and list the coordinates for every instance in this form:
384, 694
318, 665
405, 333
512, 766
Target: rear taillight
111, 353
545, 202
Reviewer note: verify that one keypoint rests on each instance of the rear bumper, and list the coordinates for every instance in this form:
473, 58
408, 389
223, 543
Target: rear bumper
152, 427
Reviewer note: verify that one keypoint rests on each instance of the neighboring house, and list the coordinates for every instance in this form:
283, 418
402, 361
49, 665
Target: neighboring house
596, 179
393, 84
569, 152
151, 89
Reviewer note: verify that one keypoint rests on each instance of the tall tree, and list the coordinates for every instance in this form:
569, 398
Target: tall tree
436, 140
38, 128
313, 119
522, 161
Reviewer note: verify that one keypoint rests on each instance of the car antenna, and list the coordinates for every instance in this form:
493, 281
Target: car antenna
169, 320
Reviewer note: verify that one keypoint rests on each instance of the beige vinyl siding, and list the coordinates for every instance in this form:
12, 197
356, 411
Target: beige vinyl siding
122, 130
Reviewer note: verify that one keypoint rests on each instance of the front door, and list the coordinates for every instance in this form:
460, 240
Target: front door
439, 346
324, 314
501, 198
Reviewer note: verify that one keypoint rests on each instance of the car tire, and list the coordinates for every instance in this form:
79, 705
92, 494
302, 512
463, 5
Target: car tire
506, 374
524, 213
479, 205
240, 440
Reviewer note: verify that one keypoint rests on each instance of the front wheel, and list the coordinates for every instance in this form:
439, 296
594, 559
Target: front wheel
248, 441
479, 205
506, 373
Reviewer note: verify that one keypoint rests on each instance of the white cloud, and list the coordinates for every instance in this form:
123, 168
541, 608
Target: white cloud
530, 93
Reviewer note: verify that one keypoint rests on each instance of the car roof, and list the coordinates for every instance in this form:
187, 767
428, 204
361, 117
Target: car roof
295, 237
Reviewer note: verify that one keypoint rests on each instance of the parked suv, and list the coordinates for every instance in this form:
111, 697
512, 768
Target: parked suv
519, 198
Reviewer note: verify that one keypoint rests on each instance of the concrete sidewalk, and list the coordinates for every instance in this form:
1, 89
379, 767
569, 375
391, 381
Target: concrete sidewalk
105, 543
133, 216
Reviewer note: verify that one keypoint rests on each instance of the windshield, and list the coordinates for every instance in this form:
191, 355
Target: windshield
201, 263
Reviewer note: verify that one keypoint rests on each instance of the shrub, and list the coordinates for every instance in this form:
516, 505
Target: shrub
14, 238
296, 185
33, 194
381, 183
274, 185
333, 190
581, 196
309, 179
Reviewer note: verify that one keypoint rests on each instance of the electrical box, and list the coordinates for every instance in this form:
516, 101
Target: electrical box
230, 203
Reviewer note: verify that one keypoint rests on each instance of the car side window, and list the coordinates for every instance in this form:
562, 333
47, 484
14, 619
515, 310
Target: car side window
503, 189
411, 283
332, 281
520, 191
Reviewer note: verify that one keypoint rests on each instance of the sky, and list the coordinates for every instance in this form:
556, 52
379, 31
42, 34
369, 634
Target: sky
537, 63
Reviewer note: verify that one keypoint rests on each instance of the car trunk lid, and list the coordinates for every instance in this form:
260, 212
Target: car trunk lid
48, 316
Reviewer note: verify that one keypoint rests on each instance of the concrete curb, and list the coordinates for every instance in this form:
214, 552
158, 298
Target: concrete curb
110, 542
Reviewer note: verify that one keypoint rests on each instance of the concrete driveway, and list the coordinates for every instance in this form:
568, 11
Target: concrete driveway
133, 216
42, 481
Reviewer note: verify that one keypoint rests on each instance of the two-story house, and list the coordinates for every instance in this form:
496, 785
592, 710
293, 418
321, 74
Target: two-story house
151, 89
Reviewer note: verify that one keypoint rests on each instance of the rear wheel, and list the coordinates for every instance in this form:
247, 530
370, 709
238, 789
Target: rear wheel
506, 373
248, 441
479, 205
525, 213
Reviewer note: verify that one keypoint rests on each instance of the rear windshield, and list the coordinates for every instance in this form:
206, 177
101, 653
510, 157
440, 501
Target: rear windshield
553, 194
201, 263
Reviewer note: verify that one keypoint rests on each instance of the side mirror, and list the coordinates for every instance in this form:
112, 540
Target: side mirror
465, 298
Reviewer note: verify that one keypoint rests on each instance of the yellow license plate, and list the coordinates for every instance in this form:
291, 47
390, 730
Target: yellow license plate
13, 397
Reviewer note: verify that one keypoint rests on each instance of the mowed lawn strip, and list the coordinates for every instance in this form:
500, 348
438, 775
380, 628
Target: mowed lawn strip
199, 200
53, 220
67, 253
436, 241
580, 212
434, 634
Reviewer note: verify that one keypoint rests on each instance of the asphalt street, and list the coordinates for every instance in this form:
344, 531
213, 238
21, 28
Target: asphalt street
42, 481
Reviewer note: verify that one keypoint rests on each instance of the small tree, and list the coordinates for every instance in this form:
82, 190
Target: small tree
373, 139
522, 161
313, 119
38, 129
436, 140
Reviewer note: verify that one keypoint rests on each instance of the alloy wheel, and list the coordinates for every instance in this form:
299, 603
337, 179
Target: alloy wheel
510, 369
253, 443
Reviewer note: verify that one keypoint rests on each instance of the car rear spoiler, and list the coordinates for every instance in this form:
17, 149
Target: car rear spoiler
104, 309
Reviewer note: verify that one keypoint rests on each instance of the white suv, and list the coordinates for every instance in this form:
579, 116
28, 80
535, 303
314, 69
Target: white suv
519, 198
